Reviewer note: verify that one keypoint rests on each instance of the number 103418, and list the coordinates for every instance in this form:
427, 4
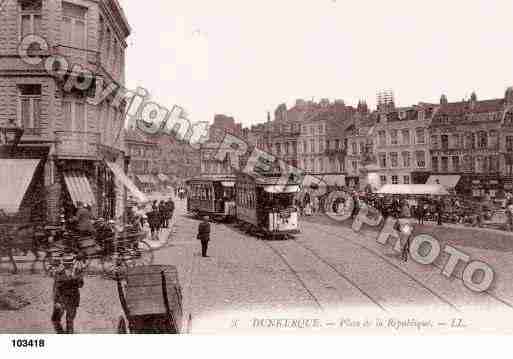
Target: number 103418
28, 343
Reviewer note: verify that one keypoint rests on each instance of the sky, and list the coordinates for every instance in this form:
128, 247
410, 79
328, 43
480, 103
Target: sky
243, 58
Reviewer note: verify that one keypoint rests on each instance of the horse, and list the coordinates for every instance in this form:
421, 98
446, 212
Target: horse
19, 238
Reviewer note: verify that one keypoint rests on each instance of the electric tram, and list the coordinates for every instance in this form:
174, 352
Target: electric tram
266, 206
212, 196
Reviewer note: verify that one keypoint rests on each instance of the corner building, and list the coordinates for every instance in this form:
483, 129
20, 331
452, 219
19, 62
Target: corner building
73, 151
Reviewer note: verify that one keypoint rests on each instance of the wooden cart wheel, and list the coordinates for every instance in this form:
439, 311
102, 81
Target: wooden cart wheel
122, 328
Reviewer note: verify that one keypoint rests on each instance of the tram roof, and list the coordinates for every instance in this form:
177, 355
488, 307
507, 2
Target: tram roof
271, 180
213, 178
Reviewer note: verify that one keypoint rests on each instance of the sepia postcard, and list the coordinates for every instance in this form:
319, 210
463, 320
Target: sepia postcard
255, 167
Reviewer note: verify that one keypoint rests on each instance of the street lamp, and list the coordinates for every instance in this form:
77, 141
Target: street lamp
11, 134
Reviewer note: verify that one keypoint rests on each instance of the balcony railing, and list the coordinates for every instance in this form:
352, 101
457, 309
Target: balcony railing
73, 144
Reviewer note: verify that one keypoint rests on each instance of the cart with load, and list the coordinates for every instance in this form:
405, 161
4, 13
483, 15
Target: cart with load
112, 248
151, 299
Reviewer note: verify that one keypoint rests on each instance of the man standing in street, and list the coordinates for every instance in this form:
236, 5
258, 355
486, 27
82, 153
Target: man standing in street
68, 279
204, 235
405, 229
439, 211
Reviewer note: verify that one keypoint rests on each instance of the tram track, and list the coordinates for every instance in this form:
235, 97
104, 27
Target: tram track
295, 271
296, 275
403, 271
341, 275
332, 268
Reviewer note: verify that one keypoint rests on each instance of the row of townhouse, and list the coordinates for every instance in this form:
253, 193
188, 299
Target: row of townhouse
70, 150
466, 145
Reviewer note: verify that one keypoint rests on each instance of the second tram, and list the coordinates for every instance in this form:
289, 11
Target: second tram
213, 196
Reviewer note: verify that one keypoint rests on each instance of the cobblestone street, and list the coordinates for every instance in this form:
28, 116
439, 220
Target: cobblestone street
327, 271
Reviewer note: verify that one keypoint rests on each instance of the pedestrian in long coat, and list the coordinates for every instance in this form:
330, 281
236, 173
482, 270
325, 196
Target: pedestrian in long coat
153, 221
420, 212
204, 235
439, 210
162, 214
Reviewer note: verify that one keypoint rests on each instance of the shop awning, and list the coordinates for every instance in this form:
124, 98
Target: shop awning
449, 181
282, 189
15, 178
414, 189
334, 180
79, 188
310, 180
163, 177
122, 177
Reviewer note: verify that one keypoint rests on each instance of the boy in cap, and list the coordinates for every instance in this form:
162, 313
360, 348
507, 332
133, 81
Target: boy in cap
68, 279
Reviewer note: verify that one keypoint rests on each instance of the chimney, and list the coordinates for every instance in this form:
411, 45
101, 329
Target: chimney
508, 97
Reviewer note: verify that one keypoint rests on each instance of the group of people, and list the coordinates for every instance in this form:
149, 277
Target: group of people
180, 192
158, 217
309, 205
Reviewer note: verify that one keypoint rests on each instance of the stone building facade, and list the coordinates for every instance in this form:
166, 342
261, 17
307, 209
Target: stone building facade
401, 144
71, 139
473, 139
358, 142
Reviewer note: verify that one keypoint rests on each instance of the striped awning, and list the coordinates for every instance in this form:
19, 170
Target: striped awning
122, 177
15, 178
79, 188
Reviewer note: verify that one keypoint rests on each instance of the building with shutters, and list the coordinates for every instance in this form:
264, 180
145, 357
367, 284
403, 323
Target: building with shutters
78, 147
